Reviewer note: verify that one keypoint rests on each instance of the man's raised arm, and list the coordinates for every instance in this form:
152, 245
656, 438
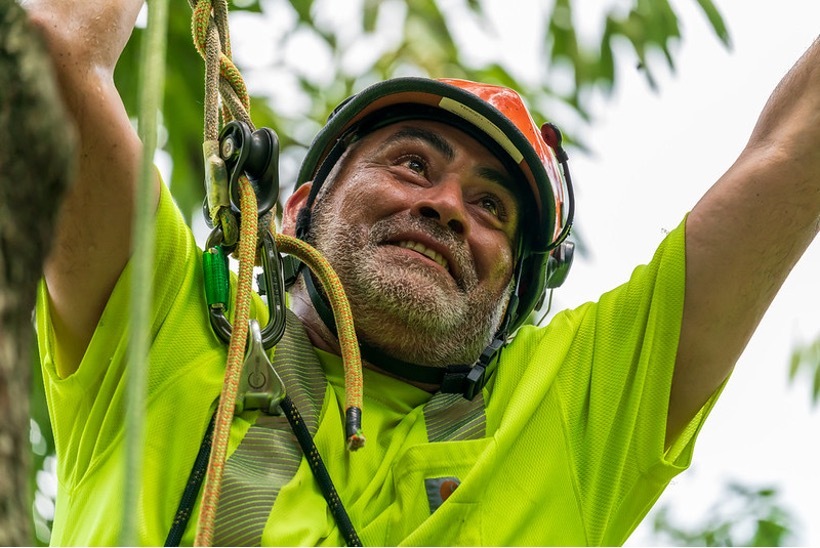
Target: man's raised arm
93, 237
745, 235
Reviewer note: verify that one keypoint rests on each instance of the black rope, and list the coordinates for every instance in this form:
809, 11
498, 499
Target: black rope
317, 466
189, 495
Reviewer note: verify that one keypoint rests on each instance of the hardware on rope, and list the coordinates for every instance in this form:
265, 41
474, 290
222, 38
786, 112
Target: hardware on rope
242, 187
260, 386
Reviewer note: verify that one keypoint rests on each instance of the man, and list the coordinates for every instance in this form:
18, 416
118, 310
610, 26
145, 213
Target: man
436, 229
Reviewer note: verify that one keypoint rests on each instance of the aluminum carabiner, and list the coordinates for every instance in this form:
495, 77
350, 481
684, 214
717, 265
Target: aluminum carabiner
274, 287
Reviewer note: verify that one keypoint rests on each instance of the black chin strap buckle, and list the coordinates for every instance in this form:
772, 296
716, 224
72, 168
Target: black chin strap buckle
470, 380
475, 381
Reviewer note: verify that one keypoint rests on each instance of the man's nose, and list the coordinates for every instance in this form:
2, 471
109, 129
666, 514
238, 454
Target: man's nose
444, 202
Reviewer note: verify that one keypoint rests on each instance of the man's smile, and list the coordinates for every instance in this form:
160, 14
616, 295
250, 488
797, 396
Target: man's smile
454, 260
426, 251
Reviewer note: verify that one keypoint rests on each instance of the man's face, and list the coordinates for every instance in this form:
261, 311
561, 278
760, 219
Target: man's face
419, 223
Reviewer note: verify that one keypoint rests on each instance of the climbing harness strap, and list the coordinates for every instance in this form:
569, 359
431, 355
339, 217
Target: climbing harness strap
297, 350
317, 467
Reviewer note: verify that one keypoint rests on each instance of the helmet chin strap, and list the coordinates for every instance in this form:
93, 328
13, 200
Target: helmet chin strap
467, 380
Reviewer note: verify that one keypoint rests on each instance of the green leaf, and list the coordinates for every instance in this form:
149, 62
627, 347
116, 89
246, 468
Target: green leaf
431, 38
807, 357
252, 6
795, 362
769, 533
606, 68
716, 21
303, 9
370, 12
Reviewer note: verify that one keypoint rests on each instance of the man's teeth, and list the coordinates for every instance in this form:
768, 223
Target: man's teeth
426, 251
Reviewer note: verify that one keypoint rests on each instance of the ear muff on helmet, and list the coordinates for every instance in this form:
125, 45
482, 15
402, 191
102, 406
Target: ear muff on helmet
558, 265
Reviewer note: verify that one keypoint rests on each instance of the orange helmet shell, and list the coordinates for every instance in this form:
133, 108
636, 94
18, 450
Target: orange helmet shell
511, 105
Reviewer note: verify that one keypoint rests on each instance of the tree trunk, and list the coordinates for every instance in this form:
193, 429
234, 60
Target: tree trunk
36, 156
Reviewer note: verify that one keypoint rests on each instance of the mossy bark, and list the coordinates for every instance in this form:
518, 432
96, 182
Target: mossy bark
36, 157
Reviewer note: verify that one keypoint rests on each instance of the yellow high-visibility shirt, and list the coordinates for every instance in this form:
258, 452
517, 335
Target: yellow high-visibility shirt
564, 446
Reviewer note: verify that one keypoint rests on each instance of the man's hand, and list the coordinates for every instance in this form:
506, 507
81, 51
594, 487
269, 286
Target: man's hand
93, 238
87, 33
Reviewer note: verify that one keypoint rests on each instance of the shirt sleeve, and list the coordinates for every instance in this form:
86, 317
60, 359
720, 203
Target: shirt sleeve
87, 407
605, 370
616, 395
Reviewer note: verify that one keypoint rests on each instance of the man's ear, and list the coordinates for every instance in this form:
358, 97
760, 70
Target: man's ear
293, 206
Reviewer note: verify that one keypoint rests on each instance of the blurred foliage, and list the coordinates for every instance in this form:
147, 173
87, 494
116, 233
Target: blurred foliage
806, 360
742, 516
43, 482
390, 38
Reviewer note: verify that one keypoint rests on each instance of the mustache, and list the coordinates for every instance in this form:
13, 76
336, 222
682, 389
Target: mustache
460, 253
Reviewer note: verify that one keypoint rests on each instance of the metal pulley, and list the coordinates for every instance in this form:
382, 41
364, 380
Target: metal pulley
240, 151
256, 155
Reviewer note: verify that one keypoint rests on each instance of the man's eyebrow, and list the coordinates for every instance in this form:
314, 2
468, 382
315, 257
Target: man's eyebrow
500, 178
430, 137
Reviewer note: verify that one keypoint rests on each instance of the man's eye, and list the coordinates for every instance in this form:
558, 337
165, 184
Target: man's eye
414, 164
493, 205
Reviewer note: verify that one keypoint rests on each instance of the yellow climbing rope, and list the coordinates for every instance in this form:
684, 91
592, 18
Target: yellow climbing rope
233, 367
211, 38
344, 322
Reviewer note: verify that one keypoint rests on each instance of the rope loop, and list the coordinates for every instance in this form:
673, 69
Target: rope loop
233, 368
348, 341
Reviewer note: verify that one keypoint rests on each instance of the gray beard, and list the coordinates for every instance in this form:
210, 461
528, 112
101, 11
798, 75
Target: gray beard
410, 311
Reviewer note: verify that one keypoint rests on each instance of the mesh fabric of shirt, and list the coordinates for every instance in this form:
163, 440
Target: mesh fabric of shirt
571, 451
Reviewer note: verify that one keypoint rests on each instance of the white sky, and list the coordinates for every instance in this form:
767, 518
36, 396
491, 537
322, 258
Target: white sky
655, 155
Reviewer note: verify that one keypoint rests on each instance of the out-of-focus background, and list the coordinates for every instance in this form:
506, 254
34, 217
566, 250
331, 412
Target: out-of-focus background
656, 99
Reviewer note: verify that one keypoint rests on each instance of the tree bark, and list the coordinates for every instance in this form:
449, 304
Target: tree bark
36, 157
